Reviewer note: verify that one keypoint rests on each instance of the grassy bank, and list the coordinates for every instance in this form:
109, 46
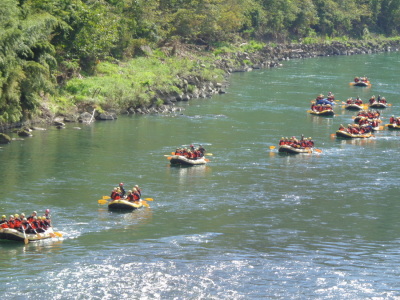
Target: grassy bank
137, 82
141, 82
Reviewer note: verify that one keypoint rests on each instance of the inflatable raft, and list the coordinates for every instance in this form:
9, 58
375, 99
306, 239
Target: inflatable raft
353, 107
344, 134
378, 105
327, 112
362, 83
182, 160
393, 126
292, 150
122, 204
15, 235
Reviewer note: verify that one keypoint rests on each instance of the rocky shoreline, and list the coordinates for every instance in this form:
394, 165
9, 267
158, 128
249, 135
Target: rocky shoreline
268, 57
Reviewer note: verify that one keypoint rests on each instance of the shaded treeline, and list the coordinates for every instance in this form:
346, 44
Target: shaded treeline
43, 43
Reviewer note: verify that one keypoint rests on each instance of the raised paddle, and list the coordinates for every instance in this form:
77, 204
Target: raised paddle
149, 199
26, 241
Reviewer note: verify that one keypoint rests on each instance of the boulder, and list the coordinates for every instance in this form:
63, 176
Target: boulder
106, 116
4, 138
85, 117
58, 123
24, 133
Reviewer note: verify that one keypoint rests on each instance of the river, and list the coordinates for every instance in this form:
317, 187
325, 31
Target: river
251, 224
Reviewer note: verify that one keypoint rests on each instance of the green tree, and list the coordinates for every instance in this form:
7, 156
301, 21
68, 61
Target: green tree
26, 59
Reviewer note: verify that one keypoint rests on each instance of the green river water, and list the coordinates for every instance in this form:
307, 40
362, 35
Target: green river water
251, 224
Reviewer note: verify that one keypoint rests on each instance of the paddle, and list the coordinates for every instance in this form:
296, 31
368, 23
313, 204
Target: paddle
104, 200
149, 199
145, 204
26, 241
272, 147
210, 154
318, 150
206, 159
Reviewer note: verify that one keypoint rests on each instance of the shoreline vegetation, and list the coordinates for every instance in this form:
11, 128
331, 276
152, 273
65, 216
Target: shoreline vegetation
154, 83
86, 60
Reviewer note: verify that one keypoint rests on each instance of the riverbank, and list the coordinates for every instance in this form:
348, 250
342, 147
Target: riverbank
207, 76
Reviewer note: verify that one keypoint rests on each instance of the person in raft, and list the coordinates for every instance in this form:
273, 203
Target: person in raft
138, 189
121, 187
30, 218
115, 194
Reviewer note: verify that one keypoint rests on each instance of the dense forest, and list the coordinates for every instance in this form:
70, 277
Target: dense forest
46, 43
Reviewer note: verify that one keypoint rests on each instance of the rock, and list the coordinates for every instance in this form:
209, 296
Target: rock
106, 116
37, 128
4, 139
58, 123
85, 117
24, 133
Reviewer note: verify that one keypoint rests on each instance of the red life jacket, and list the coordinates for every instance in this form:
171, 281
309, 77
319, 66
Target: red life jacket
11, 224
33, 225
17, 223
136, 196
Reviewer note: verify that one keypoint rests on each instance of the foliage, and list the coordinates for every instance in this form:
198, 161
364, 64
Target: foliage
46, 43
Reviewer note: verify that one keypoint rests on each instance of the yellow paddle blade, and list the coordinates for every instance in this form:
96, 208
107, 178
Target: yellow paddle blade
172, 153
58, 234
149, 199
210, 154
272, 147
106, 197
206, 159
318, 150
102, 201
169, 157
144, 203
